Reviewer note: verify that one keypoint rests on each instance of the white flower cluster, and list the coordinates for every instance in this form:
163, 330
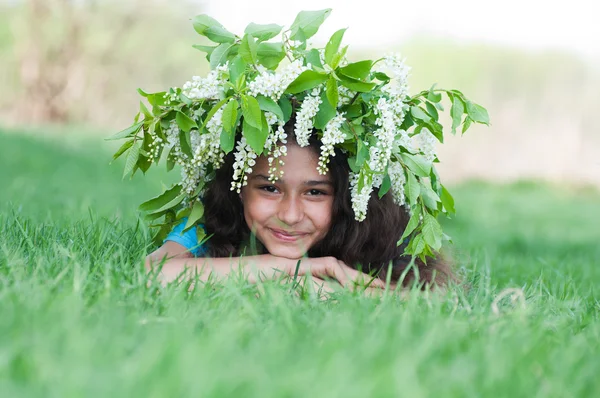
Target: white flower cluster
275, 151
332, 135
210, 86
426, 142
360, 200
245, 159
273, 84
345, 95
391, 115
394, 65
304, 118
396, 173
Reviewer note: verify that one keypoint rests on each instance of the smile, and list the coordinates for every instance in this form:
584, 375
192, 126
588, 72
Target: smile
287, 236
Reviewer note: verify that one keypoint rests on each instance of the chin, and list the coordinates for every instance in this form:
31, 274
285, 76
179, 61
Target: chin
292, 253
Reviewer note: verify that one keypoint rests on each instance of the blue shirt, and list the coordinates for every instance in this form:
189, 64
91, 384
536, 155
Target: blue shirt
188, 239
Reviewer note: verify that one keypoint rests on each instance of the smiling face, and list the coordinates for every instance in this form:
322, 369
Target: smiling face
292, 214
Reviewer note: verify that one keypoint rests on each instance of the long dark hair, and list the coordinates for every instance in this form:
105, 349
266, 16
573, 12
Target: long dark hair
369, 245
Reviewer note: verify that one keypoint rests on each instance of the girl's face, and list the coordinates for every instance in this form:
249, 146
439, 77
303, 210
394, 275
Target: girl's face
292, 214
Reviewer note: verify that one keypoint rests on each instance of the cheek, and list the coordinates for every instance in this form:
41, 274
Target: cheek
322, 216
256, 210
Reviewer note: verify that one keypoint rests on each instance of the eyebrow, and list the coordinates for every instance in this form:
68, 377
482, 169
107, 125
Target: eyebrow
309, 183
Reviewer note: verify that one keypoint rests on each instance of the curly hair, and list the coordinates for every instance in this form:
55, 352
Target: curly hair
370, 245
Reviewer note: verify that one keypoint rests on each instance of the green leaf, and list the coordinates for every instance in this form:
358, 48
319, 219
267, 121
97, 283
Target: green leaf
170, 205
270, 54
159, 201
219, 34
214, 110
417, 164
386, 184
219, 55
185, 122
430, 198
305, 81
202, 22
314, 58
466, 124
355, 84
333, 46
431, 109
332, 92
267, 104
308, 22
251, 111
207, 49
447, 201
412, 189
362, 152
128, 132
432, 231
413, 223
418, 113
358, 70
146, 112
237, 67
286, 108
227, 140
195, 215
248, 49
432, 96
263, 32
256, 137
325, 113
123, 148
456, 111
229, 117
132, 158
184, 142
478, 113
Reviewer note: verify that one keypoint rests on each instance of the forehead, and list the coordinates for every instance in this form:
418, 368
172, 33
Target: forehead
300, 165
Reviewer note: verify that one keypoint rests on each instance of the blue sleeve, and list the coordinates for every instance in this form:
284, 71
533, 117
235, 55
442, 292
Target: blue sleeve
188, 239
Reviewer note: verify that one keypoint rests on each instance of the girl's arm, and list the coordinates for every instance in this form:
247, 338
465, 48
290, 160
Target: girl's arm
179, 263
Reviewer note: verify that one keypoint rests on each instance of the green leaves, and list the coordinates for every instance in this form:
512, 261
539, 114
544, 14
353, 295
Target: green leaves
332, 92
229, 119
270, 54
195, 215
478, 113
158, 202
456, 111
211, 29
307, 80
256, 137
355, 84
219, 55
251, 111
333, 46
417, 164
412, 189
128, 132
248, 49
307, 23
432, 231
132, 158
263, 32
267, 104
357, 70
185, 122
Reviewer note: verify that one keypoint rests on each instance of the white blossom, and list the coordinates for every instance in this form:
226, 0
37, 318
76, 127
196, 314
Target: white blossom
276, 149
272, 84
245, 159
360, 200
210, 86
426, 142
304, 117
395, 67
398, 179
332, 135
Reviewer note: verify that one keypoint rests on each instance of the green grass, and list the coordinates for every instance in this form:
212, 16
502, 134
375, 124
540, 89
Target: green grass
78, 320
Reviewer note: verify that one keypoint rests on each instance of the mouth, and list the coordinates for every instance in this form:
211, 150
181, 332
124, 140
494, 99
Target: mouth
287, 236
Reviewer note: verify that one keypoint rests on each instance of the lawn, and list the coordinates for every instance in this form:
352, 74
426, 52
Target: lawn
77, 318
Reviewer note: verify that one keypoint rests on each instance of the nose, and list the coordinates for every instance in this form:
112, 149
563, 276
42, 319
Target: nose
291, 210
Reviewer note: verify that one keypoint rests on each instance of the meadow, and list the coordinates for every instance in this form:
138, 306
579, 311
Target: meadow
78, 319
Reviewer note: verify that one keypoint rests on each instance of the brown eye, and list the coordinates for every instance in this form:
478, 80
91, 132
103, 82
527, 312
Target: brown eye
268, 188
316, 192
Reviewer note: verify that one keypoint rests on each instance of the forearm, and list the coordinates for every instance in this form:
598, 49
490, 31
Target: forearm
252, 268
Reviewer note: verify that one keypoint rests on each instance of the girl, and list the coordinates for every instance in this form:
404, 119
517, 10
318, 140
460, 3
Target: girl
304, 216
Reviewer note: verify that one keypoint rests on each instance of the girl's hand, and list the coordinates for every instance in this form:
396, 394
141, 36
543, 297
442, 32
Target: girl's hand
332, 268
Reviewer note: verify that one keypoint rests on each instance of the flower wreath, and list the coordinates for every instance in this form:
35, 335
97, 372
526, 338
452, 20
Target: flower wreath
363, 108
